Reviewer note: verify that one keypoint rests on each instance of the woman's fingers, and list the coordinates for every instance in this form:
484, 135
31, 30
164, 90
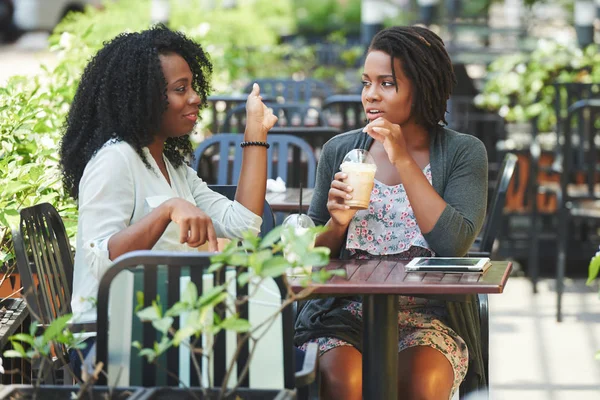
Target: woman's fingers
213, 245
184, 229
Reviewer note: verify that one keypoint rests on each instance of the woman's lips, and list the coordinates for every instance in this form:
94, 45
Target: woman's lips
372, 116
191, 117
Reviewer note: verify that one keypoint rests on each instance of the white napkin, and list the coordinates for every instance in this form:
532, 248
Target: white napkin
276, 185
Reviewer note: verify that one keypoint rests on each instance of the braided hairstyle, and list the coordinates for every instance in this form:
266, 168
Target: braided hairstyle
122, 96
426, 64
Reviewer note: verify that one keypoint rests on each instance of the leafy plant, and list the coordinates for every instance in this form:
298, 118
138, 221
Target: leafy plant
520, 85
40, 346
255, 261
593, 272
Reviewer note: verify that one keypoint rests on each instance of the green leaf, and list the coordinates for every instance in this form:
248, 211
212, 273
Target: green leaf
139, 296
183, 334
23, 337
18, 348
162, 325
178, 308
56, 327
214, 267
275, 267
236, 324
593, 269
150, 354
33, 327
190, 294
271, 238
12, 354
238, 259
243, 278
148, 314
212, 296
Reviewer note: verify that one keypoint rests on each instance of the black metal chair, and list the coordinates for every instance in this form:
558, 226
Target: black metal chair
579, 193
42, 249
288, 115
194, 265
485, 242
483, 247
565, 94
315, 136
229, 161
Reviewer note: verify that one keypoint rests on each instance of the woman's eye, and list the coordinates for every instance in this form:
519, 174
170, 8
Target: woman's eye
180, 89
365, 83
388, 84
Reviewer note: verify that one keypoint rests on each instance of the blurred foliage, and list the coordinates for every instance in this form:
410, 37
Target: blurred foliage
520, 85
318, 17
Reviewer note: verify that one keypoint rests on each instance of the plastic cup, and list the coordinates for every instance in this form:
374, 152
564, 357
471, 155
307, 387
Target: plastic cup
360, 168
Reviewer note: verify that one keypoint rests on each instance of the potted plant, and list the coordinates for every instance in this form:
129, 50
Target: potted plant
37, 347
520, 86
255, 260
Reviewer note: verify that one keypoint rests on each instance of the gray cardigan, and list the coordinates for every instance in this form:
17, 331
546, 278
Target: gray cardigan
459, 175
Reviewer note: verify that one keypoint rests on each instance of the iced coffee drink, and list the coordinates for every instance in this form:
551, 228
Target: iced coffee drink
360, 169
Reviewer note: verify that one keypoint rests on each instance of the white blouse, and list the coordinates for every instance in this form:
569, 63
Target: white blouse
116, 190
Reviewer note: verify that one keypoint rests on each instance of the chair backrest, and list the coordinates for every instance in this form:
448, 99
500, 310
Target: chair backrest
580, 153
495, 212
177, 265
315, 136
489, 127
281, 148
42, 250
290, 90
344, 111
288, 114
268, 218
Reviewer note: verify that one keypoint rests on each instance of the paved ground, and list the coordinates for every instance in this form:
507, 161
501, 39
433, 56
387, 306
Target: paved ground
532, 356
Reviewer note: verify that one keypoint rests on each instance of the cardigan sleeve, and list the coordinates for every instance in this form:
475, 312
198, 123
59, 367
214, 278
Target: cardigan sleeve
325, 173
466, 196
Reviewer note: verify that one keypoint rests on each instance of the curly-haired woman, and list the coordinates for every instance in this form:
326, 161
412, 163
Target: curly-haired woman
124, 150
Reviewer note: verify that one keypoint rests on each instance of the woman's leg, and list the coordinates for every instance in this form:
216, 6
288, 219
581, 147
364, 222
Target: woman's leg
424, 373
341, 374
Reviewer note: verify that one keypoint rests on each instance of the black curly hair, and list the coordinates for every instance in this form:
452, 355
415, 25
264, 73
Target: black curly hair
122, 95
426, 63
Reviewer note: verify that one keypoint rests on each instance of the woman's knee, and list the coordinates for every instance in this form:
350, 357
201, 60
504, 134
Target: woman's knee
341, 373
424, 373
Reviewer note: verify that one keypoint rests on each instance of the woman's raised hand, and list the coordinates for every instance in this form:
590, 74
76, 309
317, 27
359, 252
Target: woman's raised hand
340, 213
195, 227
259, 118
390, 135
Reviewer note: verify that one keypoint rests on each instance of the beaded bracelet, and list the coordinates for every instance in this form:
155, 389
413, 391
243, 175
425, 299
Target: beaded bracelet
254, 143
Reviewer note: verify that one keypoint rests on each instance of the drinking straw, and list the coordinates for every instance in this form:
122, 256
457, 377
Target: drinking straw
300, 201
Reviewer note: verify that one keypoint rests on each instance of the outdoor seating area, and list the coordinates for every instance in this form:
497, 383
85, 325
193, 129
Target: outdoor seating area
182, 215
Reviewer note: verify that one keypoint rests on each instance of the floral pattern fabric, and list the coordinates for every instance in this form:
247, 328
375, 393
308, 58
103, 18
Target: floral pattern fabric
388, 229
389, 225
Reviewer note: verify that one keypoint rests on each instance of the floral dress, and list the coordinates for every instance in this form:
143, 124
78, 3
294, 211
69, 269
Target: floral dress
388, 229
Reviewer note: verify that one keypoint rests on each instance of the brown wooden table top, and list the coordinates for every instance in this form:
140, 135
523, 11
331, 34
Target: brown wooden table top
389, 277
289, 200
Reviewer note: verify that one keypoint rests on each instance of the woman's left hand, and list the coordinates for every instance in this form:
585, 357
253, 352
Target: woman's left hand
259, 118
390, 135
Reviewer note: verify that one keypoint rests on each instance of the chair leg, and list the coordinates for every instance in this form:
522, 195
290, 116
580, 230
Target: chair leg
561, 261
533, 261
